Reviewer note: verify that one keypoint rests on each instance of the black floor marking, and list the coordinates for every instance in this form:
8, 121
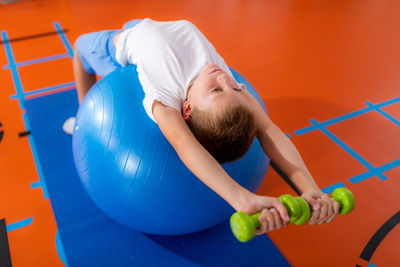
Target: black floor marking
1, 133
32, 36
285, 177
378, 237
22, 134
5, 2
5, 257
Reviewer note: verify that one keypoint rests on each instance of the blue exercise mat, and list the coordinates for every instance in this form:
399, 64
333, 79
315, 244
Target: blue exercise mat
91, 238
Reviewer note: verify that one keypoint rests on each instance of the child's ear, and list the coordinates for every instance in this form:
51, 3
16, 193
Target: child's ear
187, 109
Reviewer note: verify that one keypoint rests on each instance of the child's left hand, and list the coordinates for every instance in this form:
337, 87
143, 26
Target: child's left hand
323, 208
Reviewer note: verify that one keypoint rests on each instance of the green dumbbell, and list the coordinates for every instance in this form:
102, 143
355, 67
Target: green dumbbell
244, 226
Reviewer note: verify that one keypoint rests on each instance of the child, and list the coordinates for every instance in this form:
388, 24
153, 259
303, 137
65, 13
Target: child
203, 112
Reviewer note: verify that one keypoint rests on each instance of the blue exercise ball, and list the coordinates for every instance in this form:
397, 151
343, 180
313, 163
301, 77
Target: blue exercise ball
133, 174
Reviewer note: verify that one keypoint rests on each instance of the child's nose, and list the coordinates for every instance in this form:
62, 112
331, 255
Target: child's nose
223, 79
222, 76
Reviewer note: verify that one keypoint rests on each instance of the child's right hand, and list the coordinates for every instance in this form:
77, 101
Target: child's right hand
274, 214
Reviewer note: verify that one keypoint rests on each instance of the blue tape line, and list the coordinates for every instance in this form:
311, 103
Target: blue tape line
35, 184
369, 174
332, 121
346, 117
348, 149
329, 189
36, 159
64, 39
372, 265
60, 249
383, 113
20, 224
14, 70
46, 89
39, 60
288, 135
372, 170
388, 102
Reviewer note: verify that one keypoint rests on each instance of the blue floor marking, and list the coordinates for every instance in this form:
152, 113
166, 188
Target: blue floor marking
372, 265
329, 189
46, 89
332, 121
60, 249
346, 117
20, 224
13, 66
388, 102
372, 171
369, 174
35, 184
38, 60
14, 70
20, 96
41, 181
383, 113
64, 39
348, 150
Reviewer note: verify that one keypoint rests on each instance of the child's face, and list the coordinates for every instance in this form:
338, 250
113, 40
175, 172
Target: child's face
213, 90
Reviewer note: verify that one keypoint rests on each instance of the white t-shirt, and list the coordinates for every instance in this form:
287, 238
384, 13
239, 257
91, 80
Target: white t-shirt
169, 56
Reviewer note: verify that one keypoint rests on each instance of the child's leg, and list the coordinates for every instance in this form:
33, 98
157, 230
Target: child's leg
93, 56
84, 80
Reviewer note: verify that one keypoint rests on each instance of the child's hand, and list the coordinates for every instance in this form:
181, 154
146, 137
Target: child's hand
323, 208
274, 214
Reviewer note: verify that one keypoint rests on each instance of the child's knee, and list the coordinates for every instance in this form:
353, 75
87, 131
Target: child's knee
74, 49
85, 42
78, 43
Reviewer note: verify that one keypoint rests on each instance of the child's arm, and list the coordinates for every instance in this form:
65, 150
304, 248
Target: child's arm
282, 151
207, 169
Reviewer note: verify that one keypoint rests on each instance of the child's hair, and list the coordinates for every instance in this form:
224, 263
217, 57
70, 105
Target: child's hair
227, 135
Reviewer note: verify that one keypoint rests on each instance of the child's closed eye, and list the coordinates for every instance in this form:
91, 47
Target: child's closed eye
236, 87
242, 86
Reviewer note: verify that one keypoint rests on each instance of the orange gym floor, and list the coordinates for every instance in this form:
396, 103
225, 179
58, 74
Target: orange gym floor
327, 71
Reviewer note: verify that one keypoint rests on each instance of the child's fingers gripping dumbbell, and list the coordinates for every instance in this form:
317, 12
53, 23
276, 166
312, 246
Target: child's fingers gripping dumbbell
269, 220
324, 208
336, 208
329, 210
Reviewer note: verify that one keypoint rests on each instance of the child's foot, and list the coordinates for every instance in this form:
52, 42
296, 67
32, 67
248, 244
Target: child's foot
68, 125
